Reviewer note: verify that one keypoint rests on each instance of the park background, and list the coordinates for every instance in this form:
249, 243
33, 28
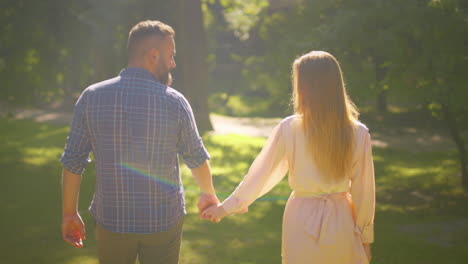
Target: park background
405, 66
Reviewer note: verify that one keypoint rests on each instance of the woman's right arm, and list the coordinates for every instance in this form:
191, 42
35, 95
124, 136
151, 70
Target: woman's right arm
268, 169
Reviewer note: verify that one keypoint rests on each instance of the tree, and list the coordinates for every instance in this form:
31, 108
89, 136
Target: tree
430, 66
193, 69
414, 49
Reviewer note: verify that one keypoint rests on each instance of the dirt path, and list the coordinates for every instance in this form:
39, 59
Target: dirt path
43, 116
256, 127
408, 138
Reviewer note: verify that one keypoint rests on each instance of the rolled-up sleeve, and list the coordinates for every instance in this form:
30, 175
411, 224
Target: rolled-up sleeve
75, 156
190, 145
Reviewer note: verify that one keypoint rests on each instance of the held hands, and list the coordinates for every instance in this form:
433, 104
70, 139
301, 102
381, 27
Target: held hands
206, 200
214, 213
207, 205
209, 208
73, 230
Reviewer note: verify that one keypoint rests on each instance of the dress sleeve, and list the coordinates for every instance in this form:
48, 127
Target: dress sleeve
363, 192
267, 170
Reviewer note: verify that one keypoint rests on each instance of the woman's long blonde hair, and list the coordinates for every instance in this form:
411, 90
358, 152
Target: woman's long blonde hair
328, 114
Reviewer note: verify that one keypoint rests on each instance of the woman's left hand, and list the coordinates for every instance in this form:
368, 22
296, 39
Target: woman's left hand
215, 213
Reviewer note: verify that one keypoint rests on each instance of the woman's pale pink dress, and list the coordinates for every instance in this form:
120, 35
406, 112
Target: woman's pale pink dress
318, 224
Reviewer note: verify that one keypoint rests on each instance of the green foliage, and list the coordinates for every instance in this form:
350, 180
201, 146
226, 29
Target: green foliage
242, 15
421, 213
54, 49
431, 65
415, 51
358, 33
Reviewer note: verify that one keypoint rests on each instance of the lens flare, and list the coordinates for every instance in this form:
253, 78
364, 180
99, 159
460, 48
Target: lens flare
169, 183
153, 177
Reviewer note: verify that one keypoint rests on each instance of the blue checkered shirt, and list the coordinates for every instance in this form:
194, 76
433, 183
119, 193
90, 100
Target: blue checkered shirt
136, 127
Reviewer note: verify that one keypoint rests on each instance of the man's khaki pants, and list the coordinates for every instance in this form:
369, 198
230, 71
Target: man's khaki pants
125, 248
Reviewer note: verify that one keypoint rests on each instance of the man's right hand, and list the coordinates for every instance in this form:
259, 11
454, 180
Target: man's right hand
206, 200
73, 230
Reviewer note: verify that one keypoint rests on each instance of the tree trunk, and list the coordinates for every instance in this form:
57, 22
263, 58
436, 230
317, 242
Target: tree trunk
451, 122
380, 72
193, 69
382, 105
72, 82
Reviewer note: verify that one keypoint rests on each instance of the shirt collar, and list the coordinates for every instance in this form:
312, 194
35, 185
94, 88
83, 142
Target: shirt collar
138, 73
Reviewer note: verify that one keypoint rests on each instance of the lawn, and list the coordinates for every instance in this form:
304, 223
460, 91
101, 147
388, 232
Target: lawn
421, 216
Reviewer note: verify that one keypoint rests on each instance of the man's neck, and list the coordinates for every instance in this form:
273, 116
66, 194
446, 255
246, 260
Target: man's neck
141, 65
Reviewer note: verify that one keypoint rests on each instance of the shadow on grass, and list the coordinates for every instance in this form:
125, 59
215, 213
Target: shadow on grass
419, 198
420, 218
31, 196
254, 237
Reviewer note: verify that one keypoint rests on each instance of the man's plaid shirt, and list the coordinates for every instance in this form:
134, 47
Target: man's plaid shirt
136, 127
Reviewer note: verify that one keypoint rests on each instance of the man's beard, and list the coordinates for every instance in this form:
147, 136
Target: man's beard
165, 78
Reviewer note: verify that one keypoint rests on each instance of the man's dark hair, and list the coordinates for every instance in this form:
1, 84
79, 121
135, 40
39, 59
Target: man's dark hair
143, 30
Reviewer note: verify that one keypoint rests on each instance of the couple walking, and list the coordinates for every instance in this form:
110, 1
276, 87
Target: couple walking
137, 126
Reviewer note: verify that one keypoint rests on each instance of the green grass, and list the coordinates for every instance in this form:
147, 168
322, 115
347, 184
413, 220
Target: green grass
421, 216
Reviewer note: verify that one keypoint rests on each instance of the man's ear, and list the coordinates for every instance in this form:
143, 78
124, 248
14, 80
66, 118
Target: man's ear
154, 54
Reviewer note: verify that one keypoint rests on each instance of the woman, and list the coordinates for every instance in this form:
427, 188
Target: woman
329, 215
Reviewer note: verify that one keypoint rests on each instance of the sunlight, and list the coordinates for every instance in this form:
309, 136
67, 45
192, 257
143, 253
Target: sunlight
84, 260
41, 156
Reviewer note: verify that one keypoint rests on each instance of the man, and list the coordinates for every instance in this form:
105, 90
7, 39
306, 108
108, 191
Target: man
136, 126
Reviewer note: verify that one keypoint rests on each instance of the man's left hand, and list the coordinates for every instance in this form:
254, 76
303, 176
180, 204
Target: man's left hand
73, 230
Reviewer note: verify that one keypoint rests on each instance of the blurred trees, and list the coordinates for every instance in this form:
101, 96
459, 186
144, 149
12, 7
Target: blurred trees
193, 65
54, 49
229, 25
410, 52
51, 50
432, 64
